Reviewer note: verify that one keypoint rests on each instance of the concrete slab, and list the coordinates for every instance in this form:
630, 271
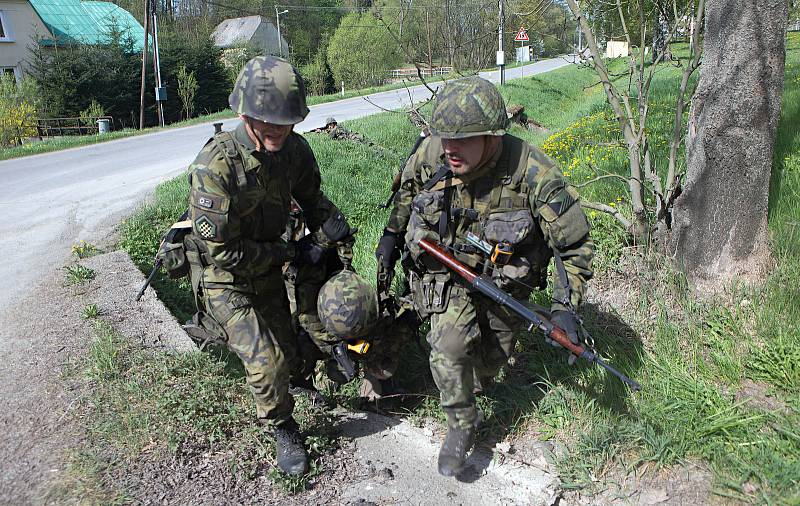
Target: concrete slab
146, 322
403, 458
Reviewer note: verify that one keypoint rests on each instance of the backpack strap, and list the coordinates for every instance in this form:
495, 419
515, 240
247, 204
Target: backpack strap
233, 157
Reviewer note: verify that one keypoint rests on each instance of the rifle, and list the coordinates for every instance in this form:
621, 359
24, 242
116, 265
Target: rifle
150, 277
169, 237
397, 177
487, 287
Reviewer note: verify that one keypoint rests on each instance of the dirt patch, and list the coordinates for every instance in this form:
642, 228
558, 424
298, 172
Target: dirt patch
674, 485
756, 395
157, 477
43, 339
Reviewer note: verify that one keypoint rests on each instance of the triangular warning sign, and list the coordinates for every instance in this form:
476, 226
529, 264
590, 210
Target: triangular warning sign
522, 35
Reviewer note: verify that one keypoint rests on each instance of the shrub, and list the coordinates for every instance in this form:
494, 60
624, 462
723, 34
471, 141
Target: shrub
18, 107
95, 110
317, 75
187, 89
361, 51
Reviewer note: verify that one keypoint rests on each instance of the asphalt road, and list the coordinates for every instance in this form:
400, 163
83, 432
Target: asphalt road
48, 202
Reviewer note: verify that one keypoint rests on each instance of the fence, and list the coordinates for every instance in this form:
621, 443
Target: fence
59, 127
411, 73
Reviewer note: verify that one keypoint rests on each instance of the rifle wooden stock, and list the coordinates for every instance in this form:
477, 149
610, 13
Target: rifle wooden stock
487, 287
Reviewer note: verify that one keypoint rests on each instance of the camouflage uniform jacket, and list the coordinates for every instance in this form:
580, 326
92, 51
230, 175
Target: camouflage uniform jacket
519, 196
241, 221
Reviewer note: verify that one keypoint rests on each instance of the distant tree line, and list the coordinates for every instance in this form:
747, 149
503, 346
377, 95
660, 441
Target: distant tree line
71, 78
331, 41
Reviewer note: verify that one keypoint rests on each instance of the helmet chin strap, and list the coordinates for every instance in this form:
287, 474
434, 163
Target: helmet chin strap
490, 145
253, 135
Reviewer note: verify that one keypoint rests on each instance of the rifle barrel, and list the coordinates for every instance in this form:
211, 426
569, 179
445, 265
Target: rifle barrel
487, 287
149, 279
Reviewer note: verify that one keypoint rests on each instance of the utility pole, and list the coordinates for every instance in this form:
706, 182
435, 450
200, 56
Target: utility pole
501, 57
278, 23
428, 34
144, 61
160, 91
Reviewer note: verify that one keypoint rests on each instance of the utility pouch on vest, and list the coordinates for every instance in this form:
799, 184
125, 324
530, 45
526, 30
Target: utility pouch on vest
510, 227
431, 292
563, 218
204, 330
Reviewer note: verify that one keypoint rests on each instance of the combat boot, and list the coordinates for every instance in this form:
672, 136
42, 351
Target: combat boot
291, 454
454, 450
372, 388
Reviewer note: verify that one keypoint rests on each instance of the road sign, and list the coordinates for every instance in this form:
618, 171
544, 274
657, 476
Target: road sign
522, 35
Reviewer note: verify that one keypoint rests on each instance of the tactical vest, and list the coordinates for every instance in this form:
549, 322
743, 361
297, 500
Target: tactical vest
500, 212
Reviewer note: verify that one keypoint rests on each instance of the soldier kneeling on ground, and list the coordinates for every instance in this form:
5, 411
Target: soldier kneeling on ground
350, 312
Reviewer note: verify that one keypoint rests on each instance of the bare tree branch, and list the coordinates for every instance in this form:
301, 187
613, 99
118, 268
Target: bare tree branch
613, 211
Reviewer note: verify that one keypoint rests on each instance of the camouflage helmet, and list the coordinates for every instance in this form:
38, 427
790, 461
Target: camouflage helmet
468, 107
270, 89
347, 305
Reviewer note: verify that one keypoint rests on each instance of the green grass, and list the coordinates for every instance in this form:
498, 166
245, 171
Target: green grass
61, 143
77, 274
176, 405
691, 356
67, 142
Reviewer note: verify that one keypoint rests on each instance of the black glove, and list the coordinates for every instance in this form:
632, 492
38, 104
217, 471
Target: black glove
387, 251
336, 228
566, 321
308, 252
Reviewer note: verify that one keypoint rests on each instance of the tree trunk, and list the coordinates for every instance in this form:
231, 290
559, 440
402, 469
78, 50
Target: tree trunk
720, 229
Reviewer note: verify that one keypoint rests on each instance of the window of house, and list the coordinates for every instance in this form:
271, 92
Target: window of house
10, 71
5, 29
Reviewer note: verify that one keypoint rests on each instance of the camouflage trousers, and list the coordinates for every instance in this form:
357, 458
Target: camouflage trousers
258, 327
473, 337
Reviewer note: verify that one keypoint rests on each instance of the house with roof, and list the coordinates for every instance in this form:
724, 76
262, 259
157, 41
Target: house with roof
252, 31
57, 23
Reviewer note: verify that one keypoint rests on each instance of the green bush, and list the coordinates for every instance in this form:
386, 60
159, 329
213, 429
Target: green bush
361, 51
75, 76
200, 57
317, 76
18, 105
95, 110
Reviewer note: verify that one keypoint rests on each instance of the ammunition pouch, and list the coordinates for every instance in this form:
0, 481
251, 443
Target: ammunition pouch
430, 292
204, 330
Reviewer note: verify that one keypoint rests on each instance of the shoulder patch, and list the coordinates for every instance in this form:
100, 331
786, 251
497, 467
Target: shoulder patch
204, 227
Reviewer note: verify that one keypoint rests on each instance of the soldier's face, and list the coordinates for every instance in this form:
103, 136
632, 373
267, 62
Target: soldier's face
268, 136
466, 155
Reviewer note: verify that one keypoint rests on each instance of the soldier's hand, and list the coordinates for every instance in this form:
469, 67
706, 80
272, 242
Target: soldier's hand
309, 252
387, 251
336, 228
569, 324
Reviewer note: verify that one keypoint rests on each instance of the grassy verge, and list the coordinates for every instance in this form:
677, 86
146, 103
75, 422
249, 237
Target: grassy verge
162, 408
50, 145
57, 144
721, 380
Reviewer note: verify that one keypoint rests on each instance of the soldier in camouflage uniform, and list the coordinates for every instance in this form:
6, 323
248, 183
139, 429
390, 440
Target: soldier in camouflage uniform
349, 310
242, 184
471, 176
